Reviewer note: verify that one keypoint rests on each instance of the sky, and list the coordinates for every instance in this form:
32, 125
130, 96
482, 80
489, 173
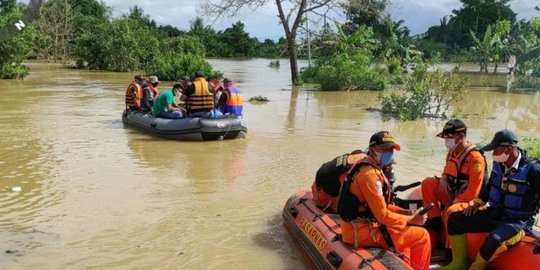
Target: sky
263, 23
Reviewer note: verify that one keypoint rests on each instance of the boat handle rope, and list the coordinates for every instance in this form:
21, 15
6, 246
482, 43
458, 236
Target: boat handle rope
365, 260
328, 204
226, 132
317, 216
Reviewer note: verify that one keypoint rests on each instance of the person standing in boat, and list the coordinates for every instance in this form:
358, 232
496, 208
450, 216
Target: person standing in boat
513, 194
230, 101
134, 93
164, 105
369, 219
461, 180
200, 98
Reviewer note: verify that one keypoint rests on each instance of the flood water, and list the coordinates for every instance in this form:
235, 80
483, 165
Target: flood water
95, 194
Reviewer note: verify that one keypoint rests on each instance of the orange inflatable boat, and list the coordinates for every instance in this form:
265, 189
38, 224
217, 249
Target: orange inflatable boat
319, 235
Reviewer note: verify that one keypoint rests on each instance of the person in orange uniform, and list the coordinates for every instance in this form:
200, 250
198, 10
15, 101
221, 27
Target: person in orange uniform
461, 179
369, 219
329, 178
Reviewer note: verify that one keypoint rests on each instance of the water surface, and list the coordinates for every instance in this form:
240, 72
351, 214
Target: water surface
96, 194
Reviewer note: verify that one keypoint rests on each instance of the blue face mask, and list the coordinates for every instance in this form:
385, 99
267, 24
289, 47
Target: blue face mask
385, 158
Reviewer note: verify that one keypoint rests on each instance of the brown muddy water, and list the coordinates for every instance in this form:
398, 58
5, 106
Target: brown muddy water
95, 194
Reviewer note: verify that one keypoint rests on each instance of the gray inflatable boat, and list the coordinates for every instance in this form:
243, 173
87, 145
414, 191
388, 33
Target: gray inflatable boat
190, 128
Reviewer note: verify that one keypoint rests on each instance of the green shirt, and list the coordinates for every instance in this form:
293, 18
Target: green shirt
160, 104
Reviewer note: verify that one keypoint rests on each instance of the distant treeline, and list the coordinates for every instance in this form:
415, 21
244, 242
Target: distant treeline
85, 33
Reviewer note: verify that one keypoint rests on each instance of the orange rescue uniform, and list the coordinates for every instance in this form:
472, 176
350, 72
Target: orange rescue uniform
412, 241
471, 169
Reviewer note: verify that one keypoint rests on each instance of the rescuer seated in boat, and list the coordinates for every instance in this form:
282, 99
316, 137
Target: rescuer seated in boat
200, 98
164, 105
151, 90
369, 219
148, 94
460, 182
331, 175
513, 194
230, 100
134, 93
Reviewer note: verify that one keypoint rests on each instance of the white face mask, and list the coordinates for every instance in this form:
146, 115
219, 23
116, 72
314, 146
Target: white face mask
450, 143
501, 158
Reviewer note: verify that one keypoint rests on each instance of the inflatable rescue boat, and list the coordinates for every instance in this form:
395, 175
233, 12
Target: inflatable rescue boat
189, 128
319, 236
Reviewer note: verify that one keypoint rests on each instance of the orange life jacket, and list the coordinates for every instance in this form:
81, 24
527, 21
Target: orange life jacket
457, 180
134, 99
349, 205
235, 102
154, 90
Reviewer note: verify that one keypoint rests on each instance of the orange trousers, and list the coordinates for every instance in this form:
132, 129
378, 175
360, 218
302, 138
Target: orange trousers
431, 194
413, 241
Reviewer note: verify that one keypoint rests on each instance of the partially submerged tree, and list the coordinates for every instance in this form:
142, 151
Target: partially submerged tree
56, 25
290, 20
424, 94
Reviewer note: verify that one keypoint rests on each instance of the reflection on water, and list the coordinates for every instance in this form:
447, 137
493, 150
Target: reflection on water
96, 194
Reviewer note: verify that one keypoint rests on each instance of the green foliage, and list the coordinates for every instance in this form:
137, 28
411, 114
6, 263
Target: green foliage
172, 66
238, 40
431, 49
117, 46
373, 14
178, 57
494, 45
424, 94
14, 71
526, 82
349, 68
343, 72
88, 14
532, 146
232, 42
475, 16
14, 50
134, 43
270, 49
